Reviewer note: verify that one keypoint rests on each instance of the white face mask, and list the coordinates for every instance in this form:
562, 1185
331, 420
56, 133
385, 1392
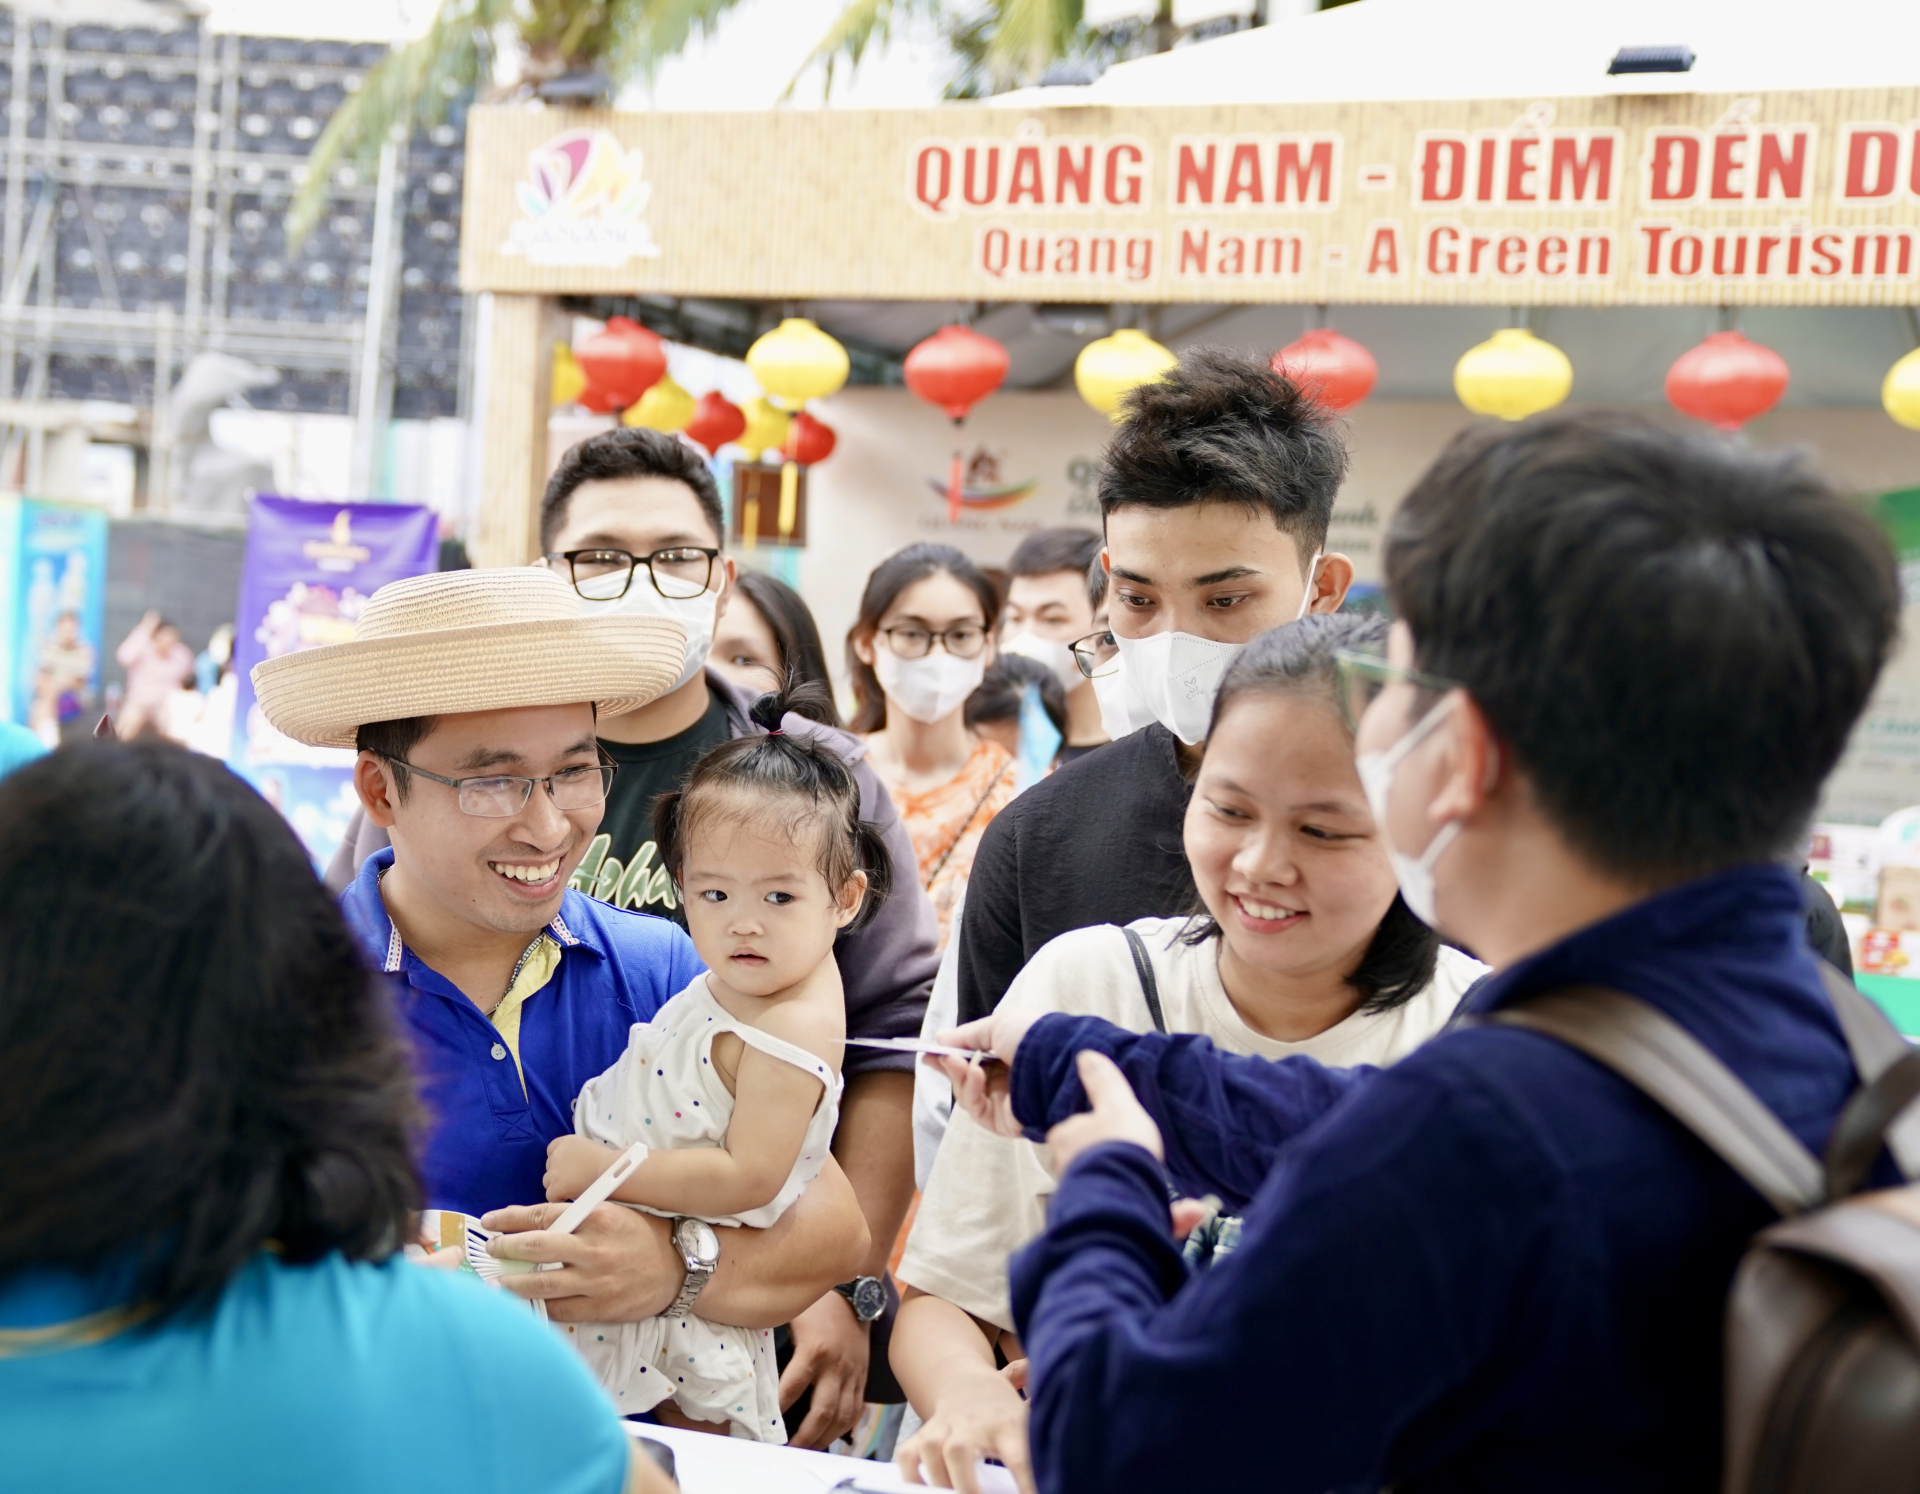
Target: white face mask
695, 614
1056, 656
1172, 678
929, 689
1413, 873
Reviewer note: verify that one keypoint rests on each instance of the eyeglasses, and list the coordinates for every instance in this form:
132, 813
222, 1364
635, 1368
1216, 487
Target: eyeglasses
1359, 678
604, 575
1097, 654
501, 796
963, 641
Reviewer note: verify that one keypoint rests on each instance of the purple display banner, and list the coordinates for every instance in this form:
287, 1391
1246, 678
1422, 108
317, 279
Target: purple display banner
309, 570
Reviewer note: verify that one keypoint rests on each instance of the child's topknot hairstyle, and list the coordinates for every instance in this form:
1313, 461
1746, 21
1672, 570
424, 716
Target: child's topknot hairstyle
776, 764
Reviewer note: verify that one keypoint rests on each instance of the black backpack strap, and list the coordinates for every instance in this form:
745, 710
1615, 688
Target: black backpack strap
1876, 1046
1665, 1062
1149, 987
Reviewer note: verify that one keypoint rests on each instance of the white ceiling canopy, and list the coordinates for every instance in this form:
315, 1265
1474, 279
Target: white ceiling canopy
1425, 49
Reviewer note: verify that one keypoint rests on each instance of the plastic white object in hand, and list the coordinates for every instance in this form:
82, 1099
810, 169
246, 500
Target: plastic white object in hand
592, 1196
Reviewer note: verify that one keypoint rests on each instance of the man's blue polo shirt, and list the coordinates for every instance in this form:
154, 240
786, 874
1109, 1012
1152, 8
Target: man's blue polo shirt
486, 1145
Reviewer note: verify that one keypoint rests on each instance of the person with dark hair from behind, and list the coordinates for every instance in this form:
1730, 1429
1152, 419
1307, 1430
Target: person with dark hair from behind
632, 518
1048, 611
917, 651
208, 1180
1216, 492
1625, 662
998, 710
767, 638
1301, 945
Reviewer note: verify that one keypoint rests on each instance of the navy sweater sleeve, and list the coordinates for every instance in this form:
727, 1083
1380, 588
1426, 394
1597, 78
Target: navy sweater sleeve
1222, 1116
1299, 1362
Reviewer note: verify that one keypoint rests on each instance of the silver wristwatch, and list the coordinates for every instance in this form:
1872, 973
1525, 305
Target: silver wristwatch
699, 1249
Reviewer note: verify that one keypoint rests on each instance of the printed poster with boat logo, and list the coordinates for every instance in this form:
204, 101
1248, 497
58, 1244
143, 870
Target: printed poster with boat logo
985, 486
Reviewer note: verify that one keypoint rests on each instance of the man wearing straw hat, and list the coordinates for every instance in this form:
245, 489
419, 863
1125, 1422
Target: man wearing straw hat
472, 697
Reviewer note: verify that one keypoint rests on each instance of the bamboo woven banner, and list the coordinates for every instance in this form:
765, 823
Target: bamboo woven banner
1780, 199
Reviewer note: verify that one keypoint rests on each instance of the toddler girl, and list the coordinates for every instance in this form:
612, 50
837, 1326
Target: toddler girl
735, 1084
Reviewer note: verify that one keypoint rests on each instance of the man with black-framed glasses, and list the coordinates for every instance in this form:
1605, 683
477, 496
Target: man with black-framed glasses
632, 519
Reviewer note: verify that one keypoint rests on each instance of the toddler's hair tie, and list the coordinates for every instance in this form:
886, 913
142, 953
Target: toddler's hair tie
774, 731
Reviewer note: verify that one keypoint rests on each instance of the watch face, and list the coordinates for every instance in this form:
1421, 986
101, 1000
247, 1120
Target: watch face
698, 1242
869, 1298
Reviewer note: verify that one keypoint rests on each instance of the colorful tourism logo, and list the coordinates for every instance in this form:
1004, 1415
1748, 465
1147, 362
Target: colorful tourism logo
582, 204
983, 487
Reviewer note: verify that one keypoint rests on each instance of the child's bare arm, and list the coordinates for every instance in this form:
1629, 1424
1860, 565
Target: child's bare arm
773, 1102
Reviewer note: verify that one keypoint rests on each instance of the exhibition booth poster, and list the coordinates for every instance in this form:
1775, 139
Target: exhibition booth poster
310, 568
53, 572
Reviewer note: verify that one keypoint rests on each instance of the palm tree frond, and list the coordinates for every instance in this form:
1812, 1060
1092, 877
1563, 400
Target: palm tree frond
647, 33
860, 24
1029, 35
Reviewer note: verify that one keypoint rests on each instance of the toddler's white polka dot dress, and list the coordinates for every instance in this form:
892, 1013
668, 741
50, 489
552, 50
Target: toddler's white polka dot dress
664, 1092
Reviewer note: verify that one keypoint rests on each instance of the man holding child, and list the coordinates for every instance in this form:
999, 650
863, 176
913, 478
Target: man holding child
473, 698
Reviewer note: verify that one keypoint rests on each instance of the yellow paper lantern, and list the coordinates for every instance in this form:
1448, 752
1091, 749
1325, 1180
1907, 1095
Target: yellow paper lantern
796, 362
1901, 391
1513, 374
767, 427
1110, 366
569, 380
665, 407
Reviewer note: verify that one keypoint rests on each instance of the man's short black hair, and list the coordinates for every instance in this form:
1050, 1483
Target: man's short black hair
393, 741
1065, 548
1672, 635
1225, 428
628, 451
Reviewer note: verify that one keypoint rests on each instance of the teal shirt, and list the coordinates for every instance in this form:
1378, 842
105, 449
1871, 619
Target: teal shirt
18, 747
321, 1379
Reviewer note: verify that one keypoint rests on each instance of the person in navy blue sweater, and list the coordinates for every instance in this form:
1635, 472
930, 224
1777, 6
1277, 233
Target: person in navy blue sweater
1625, 661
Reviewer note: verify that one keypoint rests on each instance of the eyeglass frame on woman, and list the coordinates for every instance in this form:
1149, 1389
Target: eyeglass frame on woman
635, 562
933, 637
607, 768
1080, 660
1349, 663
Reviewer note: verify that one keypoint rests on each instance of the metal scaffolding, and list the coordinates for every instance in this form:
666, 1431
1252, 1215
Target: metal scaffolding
148, 173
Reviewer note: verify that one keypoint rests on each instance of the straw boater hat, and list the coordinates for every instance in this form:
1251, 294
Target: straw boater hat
458, 641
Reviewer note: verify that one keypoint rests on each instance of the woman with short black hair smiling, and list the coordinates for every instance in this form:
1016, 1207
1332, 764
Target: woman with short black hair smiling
207, 1177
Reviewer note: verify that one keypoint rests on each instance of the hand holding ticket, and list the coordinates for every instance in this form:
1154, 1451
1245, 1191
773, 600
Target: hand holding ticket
978, 1062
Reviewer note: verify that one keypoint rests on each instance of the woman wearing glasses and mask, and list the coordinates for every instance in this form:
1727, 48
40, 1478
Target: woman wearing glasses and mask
921, 646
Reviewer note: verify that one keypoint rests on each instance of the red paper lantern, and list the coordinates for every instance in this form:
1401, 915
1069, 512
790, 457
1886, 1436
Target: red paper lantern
597, 400
623, 360
809, 440
716, 421
1335, 370
1727, 381
955, 369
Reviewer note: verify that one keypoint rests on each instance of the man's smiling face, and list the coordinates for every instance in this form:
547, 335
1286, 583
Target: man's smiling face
504, 875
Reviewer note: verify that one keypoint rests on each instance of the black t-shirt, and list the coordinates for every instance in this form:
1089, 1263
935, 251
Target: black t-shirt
621, 866
1074, 754
1098, 841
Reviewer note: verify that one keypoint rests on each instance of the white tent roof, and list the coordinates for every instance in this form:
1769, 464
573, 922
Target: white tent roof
1467, 49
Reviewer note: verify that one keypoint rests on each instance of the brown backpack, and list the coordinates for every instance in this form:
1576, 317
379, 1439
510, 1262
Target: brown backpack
1823, 1322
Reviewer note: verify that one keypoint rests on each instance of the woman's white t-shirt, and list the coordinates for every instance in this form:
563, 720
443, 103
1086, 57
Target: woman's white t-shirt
987, 1195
